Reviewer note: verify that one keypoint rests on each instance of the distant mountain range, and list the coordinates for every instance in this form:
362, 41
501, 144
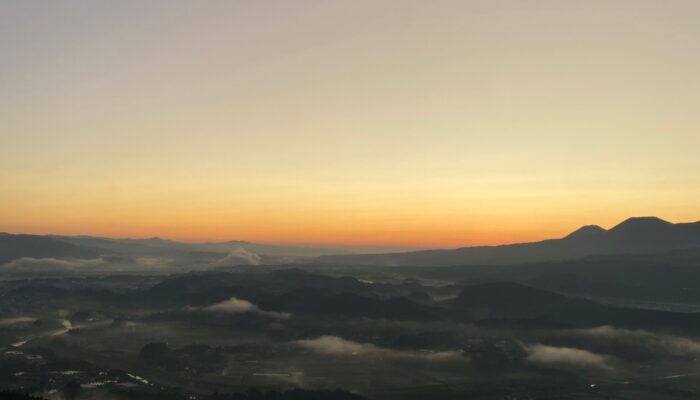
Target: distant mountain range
157, 245
165, 252
14, 247
641, 235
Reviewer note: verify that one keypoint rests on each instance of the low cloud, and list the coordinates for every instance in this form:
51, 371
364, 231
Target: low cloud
153, 261
660, 343
29, 264
15, 321
337, 346
239, 256
240, 306
566, 357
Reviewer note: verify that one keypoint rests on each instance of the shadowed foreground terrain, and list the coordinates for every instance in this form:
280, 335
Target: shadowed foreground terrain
606, 326
271, 329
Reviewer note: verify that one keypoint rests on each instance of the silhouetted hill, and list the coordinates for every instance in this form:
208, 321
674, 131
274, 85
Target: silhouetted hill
290, 291
158, 246
144, 254
578, 313
586, 231
533, 307
651, 280
505, 300
306, 301
643, 235
13, 247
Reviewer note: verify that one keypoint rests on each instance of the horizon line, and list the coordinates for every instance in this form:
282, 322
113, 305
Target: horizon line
329, 246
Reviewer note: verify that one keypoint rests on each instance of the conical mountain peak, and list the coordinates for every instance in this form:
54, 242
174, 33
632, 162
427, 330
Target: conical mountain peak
641, 223
586, 231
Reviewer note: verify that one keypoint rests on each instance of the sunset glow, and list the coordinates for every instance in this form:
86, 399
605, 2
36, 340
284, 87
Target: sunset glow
348, 122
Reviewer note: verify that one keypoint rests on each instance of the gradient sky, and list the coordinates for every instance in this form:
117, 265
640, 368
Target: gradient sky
413, 123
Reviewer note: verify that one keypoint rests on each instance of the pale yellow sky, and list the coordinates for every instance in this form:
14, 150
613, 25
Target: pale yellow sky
419, 123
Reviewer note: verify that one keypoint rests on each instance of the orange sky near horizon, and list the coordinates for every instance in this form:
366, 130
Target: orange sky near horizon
433, 124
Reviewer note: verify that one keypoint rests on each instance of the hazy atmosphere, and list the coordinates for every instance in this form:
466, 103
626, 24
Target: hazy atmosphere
413, 123
349, 200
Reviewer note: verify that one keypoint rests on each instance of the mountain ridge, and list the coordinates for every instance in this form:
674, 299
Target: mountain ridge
636, 235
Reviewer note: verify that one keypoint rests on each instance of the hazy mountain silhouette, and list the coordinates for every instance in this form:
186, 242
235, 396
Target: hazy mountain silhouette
508, 301
158, 246
645, 235
13, 247
16, 246
641, 235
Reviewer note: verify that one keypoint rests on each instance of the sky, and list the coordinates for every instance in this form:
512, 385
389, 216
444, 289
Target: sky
402, 123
